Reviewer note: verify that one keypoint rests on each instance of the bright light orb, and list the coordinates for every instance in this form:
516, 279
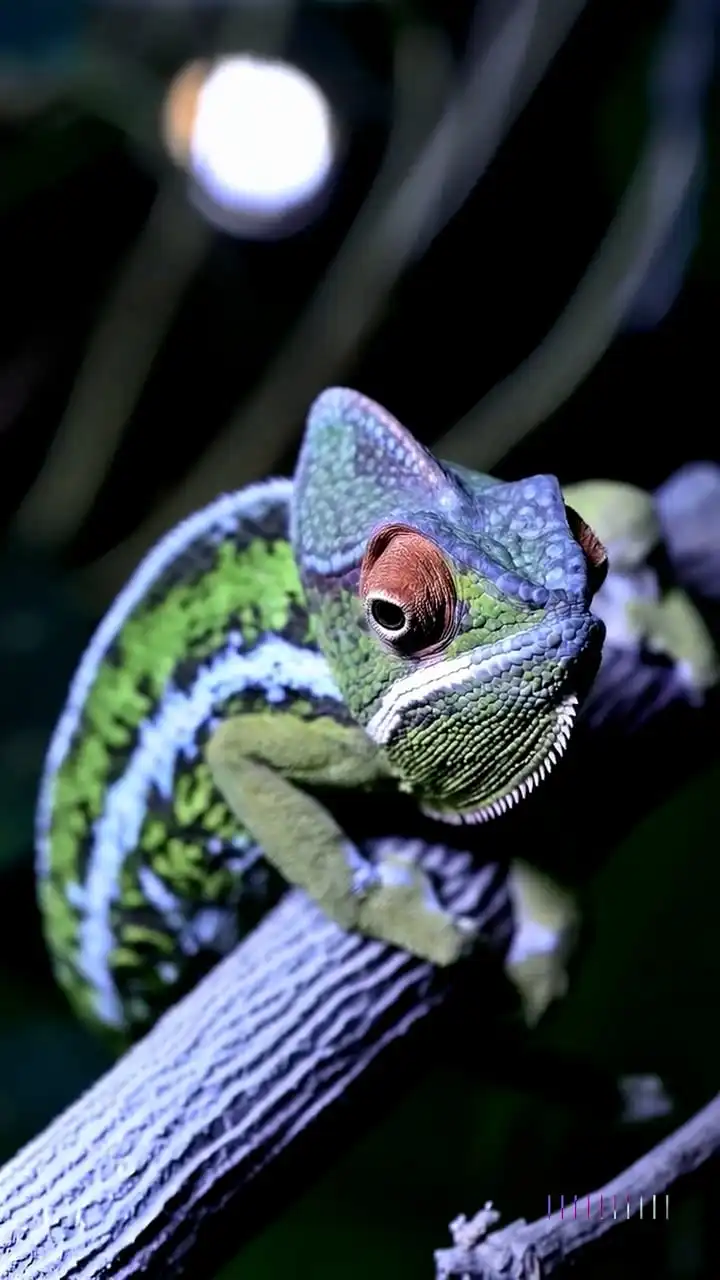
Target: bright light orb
257, 136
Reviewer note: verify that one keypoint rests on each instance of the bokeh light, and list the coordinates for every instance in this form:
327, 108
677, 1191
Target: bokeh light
257, 137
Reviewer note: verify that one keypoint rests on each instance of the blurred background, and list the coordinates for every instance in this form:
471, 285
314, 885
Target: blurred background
501, 220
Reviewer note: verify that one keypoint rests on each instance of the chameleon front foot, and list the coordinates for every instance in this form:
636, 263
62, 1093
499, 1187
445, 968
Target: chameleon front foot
256, 761
402, 909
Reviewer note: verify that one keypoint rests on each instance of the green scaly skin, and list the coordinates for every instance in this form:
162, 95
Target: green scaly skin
385, 622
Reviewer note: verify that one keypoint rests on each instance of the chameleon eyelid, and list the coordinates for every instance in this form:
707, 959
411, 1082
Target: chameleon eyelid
595, 553
410, 571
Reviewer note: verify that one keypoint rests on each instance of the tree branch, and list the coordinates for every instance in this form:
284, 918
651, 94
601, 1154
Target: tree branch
523, 1250
122, 1183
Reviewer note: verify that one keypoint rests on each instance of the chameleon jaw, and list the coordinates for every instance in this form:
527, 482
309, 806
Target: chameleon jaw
565, 717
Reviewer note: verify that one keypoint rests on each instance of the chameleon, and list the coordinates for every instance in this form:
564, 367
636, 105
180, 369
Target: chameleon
384, 623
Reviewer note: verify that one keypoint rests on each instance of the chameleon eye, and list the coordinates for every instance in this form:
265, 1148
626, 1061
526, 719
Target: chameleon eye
386, 614
595, 553
408, 591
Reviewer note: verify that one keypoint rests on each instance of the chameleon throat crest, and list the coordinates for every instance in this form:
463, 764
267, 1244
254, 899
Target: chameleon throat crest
565, 716
455, 675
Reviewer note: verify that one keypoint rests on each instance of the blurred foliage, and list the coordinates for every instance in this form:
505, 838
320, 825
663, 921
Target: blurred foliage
623, 117
41, 634
38, 32
79, 174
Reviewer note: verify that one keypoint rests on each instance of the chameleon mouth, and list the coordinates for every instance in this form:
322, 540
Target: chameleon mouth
526, 783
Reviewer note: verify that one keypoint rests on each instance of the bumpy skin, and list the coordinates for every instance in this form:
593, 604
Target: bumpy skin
246, 653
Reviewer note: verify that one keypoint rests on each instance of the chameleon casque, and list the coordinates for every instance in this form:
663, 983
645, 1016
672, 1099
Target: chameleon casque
385, 622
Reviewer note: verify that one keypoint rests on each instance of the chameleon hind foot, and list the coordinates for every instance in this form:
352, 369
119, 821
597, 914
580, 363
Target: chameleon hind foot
547, 925
404, 911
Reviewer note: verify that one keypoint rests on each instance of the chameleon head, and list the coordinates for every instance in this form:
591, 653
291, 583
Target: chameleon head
453, 609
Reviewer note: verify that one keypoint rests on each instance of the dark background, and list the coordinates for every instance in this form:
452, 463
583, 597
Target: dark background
78, 177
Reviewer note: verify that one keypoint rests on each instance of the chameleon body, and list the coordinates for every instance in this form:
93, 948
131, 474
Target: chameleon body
383, 622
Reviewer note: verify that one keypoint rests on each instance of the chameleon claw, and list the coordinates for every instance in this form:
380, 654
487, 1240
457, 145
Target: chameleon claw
365, 877
469, 930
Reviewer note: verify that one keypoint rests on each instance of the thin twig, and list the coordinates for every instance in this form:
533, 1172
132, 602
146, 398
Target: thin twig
507, 63
136, 317
122, 348
546, 1244
651, 205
